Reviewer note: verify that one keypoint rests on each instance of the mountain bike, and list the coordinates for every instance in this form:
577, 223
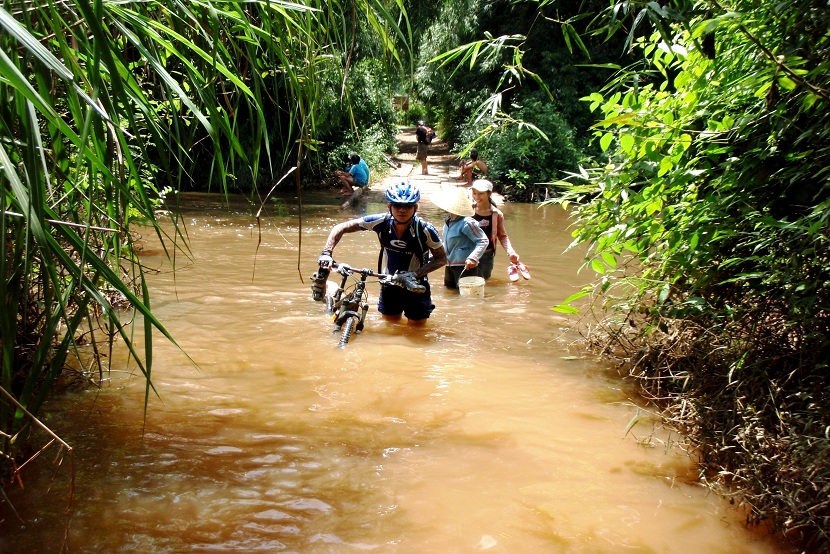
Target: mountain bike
347, 304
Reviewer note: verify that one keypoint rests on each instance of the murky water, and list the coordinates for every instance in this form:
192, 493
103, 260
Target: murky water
484, 431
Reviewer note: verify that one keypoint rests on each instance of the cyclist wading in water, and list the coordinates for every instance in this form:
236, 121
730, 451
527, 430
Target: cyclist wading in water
409, 246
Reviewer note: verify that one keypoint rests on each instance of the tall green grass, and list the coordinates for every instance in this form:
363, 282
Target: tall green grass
106, 108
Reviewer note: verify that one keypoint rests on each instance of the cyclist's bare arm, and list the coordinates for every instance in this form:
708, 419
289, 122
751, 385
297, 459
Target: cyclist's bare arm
339, 230
439, 260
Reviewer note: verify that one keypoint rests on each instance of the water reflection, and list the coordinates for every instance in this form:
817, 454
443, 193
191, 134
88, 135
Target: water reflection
484, 431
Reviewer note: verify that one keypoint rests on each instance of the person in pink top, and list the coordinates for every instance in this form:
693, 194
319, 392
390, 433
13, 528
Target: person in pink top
491, 221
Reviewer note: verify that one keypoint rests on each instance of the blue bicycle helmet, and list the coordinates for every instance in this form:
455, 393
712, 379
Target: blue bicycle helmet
402, 192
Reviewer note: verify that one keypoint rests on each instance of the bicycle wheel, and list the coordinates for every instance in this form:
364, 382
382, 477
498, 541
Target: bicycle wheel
348, 330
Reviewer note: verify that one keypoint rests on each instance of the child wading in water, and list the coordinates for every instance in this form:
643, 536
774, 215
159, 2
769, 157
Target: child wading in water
491, 221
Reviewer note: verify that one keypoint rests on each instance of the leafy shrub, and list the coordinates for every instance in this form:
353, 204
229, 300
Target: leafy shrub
511, 58
518, 156
367, 127
370, 97
415, 113
717, 193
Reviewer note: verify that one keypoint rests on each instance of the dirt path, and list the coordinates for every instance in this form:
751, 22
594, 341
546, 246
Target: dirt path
439, 151
443, 167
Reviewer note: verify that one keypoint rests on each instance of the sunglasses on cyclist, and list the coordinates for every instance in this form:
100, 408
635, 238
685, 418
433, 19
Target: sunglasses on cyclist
402, 206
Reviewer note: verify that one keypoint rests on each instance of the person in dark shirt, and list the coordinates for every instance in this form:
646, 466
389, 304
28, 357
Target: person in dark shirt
408, 244
491, 221
424, 136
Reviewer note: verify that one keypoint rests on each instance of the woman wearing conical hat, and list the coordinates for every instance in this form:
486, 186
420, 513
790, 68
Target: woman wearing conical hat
464, 240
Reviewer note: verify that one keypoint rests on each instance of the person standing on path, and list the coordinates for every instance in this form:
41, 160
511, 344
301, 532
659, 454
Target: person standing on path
464, 240
423, 134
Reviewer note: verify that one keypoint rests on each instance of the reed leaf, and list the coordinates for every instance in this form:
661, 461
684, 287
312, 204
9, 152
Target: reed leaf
108, 105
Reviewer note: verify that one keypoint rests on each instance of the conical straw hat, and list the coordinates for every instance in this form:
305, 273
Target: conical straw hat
455, 200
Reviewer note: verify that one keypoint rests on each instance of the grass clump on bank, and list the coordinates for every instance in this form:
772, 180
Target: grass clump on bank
750, 397
708, 229
109, 108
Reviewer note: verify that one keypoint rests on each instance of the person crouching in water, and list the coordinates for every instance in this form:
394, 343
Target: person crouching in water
410, 247
473, 169
357, 175
464, 240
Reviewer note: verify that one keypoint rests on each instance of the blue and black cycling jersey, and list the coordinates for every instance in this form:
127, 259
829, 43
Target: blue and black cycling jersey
405, 253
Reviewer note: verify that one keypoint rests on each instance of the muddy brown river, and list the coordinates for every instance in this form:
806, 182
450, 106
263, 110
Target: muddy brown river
489, 429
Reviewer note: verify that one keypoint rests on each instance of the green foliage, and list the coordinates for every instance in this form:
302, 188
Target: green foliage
363, 122
523, 155
717, 191
370, 97
363, 103
415, 113
371, 144
511, 81
107, 108
455, 80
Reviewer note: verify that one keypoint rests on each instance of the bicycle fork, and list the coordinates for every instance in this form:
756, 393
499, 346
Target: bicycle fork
352, 313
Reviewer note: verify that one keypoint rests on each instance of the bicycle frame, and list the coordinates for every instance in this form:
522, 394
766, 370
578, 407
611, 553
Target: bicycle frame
348, 308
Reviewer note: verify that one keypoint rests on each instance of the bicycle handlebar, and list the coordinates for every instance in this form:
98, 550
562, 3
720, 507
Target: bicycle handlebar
406, 280
346, 269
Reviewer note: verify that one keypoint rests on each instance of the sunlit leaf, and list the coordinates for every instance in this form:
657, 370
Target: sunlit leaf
605, 141
786, 83
565, 309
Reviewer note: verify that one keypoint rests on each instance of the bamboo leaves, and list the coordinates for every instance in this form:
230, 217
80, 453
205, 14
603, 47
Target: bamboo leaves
109, 106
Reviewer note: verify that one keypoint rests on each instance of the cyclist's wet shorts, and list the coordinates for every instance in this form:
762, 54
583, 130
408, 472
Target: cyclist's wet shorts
396, 300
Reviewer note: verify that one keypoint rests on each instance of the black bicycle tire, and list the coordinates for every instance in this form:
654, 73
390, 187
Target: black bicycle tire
348, 329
